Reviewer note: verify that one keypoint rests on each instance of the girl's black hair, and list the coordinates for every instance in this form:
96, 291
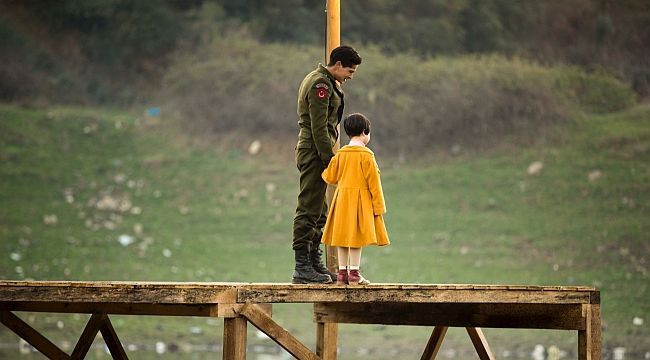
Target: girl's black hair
356, 124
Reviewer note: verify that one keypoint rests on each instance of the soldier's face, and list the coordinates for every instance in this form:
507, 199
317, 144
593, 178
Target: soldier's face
344, 73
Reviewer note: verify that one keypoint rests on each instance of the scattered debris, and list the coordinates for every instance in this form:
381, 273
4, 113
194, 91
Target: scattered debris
69, 196
594, 175
161, 347
51, 219
535, 168
24, 347
254, 147
126, 240
539, 353
553, 353
619, 353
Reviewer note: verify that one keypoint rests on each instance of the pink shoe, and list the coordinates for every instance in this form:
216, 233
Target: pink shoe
342, 277
355, 278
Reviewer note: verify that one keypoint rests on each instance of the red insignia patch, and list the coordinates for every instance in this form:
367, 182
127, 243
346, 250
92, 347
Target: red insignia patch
321, 93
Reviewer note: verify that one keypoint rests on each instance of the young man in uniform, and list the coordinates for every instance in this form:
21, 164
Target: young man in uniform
320, 108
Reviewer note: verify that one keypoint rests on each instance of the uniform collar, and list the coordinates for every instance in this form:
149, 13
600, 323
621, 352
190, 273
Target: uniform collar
322, 69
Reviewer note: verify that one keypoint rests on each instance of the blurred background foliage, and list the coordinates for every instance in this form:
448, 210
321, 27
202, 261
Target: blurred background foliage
447, 69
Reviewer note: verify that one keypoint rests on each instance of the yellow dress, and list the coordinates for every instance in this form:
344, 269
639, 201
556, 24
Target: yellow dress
355, 217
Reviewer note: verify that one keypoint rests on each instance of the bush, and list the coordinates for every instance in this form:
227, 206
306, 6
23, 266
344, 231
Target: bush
237, 83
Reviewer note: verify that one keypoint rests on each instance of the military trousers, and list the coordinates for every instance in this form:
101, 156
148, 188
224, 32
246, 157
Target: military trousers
311, 211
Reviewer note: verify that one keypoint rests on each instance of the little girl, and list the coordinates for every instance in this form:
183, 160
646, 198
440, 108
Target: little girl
355, 216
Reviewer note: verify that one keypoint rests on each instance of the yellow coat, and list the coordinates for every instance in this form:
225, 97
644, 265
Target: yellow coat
355, 215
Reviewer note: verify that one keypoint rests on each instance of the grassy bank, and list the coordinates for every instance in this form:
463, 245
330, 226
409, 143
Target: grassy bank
75, 182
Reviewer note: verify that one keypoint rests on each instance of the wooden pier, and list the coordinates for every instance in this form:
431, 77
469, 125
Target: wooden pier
438, 306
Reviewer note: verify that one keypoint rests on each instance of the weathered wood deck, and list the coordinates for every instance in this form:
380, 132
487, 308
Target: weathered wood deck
440, 306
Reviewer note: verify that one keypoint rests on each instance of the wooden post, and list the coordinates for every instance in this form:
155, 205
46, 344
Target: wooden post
234, 338
327, 334
589, 346
333, 41
326, 339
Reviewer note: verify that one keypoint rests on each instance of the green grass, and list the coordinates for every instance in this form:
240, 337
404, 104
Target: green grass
208, 212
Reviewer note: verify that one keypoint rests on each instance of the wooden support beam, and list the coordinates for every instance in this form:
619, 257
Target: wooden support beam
119, 292
480, 343
112, 341
88, 336
589, 342
33, 337
595, 332
205, 310
277, 333
407, 294
234, 338
326, 340
533, 316
435, 341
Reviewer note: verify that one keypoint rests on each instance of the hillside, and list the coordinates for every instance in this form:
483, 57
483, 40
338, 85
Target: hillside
88, 194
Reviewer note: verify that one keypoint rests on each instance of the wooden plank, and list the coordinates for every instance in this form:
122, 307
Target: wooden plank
212, 285
88, 336
131, 294
326, 340
529, 316
33, 337
434, 343
204, 310
112, 341
480, 343
214, 293
277, 333
367, 294
234, 338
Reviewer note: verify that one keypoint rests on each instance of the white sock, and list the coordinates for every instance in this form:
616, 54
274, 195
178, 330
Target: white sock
342, 267
352, 267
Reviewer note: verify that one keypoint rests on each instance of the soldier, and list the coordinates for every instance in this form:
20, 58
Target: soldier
320, 108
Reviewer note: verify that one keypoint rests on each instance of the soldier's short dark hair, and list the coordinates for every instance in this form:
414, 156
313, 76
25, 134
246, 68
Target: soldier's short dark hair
356, 124
346, 55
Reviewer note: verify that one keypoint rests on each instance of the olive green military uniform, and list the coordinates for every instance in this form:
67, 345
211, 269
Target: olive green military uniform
320, 108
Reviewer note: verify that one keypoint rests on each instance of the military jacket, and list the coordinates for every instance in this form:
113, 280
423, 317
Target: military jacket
320, 108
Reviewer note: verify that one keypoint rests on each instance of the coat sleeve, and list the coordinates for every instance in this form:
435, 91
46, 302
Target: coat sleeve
319, 99
371, 173
330, 175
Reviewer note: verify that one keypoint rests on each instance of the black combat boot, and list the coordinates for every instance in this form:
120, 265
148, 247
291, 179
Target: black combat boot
317, 264
304, 272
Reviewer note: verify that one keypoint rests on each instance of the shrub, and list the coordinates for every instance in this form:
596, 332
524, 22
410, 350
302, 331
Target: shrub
237, 83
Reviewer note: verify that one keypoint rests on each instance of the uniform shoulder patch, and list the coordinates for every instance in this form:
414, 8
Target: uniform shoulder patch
322, 86
322, 90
